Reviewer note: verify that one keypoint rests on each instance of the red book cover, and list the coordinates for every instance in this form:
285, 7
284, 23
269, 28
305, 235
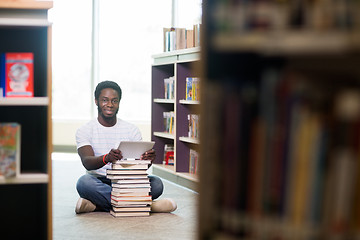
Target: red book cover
19, 74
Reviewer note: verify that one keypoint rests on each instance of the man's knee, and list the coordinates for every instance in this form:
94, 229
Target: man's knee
157, 186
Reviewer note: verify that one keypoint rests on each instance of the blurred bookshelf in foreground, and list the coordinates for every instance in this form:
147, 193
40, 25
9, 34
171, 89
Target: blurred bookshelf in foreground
280, 123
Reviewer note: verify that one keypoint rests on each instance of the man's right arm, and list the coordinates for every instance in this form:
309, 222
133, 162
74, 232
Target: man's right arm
92, 162
89, 161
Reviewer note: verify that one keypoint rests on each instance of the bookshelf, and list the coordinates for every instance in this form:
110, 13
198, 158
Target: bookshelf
180, 64
27, 198
280, 130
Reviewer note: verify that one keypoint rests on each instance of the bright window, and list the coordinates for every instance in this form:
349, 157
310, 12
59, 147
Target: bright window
71, 62
129, 33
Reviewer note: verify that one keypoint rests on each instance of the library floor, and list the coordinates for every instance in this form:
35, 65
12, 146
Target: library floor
180, 224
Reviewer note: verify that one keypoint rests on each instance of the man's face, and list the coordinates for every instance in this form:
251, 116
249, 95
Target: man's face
108, 103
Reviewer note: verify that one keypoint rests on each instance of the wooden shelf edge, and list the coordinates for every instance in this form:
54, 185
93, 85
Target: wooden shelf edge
171, 169
177, 52
287, 42
168, 168
190, 176
33, 101
163, 100
164, 135
28, 178
190, 102
13, 4
24, 22
189, 140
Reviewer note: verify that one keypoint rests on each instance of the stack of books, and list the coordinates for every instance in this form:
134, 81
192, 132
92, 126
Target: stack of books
130, 195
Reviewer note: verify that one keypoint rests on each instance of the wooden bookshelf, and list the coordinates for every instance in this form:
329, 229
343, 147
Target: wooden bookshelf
180, 64
280, 108
27, 20
26, 4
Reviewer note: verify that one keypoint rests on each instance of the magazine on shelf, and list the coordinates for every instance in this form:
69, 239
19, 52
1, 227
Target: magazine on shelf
10, 149
17, 74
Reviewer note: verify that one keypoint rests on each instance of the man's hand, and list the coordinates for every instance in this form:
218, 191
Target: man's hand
113, 155
148, 155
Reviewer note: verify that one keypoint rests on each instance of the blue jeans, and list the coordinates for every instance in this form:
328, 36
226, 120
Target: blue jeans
98, 190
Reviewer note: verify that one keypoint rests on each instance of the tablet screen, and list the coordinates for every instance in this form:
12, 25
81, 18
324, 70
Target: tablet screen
134, 149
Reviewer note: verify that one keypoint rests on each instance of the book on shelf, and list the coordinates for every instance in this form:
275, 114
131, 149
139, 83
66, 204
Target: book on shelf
169, 87
197, 29
193, 126
10, 138
165, 37
169, 40
169, 121
17, 74
190, 38
193, 161
180, 34
130, 213
192, 88
181, 38
168, 154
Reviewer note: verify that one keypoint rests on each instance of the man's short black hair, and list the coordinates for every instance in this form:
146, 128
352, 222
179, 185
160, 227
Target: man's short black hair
107, 84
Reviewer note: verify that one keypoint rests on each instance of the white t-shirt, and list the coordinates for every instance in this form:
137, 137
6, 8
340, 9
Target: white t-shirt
103, 139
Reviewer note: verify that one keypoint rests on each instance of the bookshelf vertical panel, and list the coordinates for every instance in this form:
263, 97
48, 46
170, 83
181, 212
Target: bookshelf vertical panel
182, 157
26, 200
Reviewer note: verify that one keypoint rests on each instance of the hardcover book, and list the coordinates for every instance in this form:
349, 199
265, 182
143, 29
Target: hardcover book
17, 74
129, 214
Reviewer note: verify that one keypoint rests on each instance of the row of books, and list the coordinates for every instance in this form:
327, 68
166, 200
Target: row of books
181, 38
242, 16
10, 138
194, 127
169, 121
292, 152
130, 188
17, 74
193, 161
169, 86
192, 88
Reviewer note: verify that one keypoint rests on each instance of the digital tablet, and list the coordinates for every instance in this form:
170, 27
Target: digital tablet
134, 149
